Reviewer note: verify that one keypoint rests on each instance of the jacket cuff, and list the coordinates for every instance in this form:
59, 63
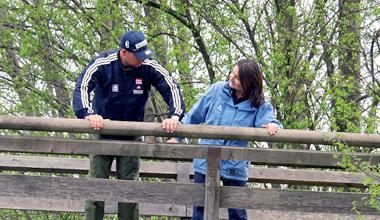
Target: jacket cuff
176, 117
85, 115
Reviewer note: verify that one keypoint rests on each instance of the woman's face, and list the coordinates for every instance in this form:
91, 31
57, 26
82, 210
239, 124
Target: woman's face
235, 80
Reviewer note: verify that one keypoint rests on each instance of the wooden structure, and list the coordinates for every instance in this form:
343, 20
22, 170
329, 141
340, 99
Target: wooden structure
176, 199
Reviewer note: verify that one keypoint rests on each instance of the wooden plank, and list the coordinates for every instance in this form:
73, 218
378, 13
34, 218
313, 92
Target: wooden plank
44, 164
101, 147
260, 156
69, 205
295, 158
211, 209
183, 174
291, 215
149, 209
178, 193
190, 131
101, 189
170, 170
294, 200
81, 166
308, 177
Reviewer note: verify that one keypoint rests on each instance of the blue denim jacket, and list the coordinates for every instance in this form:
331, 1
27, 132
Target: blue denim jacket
217, 107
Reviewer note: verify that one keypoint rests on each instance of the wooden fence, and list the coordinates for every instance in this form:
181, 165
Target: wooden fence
32, 192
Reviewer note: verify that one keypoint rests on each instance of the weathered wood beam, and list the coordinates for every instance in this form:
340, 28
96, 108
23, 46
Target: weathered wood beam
179, 194
47, 164
77, 205
149, 209
308, 177
294, 200
212, 184
190, 131
171, 170
259, 156
101, 189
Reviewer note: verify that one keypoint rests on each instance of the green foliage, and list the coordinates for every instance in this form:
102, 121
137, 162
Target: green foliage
318, 58
42, 215
353, 164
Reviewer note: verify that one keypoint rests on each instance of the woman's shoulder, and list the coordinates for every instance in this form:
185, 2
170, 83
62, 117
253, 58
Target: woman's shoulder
219, 84
265, 105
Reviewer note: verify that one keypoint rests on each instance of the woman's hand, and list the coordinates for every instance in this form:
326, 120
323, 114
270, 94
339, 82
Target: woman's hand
272, 128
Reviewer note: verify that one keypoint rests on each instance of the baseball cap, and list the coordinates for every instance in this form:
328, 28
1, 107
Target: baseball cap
135, 42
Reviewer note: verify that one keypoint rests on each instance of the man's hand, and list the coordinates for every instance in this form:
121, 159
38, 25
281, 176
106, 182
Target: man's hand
272, 128
172, 141
97, 121
170, 125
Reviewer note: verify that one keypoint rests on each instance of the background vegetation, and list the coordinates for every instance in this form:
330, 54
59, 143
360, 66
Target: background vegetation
320, 58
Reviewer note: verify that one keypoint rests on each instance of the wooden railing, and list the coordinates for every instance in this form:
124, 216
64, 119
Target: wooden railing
19, 191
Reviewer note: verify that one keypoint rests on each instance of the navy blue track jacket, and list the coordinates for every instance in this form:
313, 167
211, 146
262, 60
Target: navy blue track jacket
121, 94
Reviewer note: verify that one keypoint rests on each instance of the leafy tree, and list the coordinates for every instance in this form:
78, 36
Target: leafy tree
318, 57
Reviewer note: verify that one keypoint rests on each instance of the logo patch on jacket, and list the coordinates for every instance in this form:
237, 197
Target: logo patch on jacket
138, 90
232, 172
138, 81
115, 88
220, 107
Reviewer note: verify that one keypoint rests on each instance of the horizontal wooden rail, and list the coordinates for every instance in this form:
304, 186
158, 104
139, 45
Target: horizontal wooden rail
150, 209
179, 193
258, 156
170, 170
101, 189
76, 205
190, 131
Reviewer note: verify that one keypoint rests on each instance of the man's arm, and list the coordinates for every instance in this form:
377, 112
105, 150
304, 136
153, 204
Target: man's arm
81, 98
171, 93
81, 95
168, 88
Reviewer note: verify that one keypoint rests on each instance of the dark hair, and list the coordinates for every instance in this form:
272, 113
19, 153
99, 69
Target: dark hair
251, 79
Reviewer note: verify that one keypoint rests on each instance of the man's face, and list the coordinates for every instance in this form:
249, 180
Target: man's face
131, 60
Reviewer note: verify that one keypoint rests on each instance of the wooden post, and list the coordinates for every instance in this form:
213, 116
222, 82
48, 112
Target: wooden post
211, 210
150, 139
183, 176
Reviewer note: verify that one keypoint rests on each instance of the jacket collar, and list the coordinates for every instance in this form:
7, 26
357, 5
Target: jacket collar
226, 95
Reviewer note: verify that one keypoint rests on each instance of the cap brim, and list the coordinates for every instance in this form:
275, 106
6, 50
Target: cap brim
144, 54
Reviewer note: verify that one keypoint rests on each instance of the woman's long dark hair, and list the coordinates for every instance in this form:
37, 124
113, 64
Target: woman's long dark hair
251, 79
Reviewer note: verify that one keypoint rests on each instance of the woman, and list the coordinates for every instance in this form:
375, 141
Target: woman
238, 102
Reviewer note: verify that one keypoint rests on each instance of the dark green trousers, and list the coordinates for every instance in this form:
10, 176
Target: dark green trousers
127, 168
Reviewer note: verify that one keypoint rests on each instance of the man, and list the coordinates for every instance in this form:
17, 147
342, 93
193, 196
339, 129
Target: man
121, 80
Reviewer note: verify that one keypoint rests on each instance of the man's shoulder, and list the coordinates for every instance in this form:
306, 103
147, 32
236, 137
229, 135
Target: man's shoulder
107, 53
105, 58
150, 62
